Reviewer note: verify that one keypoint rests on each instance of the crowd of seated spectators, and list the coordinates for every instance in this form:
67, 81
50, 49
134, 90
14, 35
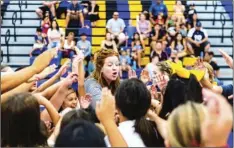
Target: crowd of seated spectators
181, 32
176, 101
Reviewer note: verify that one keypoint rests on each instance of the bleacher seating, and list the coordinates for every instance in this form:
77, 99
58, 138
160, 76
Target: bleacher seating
128, 10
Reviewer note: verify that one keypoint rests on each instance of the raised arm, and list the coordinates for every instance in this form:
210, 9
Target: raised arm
13, 80
78, 68
227, 58
49, 92
25, 87
53, 113
51, 81
60, 95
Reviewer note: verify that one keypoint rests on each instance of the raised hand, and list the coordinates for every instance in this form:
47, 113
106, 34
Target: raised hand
227, 58
71, 78
105, 109
76, 60
218, 120
85, 101
132, 74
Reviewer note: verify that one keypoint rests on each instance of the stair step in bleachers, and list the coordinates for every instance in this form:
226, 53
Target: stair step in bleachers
17, 59
226, 49
217, 41
17, 50
25, 22
226, 72
19, 31
220, 61
211, 16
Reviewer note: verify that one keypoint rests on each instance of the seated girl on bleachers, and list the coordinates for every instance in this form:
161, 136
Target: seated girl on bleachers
54, 35
68, 48
137, 49
171, 21
180, 45
109, 43
125, 62
143, 26
160, 20
179, 12
45, 25
41, 42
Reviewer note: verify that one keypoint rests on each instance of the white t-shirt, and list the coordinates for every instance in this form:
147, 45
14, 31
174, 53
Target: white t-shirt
197, 35
115, 25
127, 130
54, 35
66, 46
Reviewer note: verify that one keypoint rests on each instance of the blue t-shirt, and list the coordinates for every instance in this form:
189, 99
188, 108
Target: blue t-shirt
227, 90
155, 9
76, 7
125, 59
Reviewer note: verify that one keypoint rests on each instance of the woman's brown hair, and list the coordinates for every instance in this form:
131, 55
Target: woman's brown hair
99, 62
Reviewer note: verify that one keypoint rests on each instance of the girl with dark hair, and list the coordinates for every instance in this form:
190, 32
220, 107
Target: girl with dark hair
21, 123
80, 133
133, 100
179, 44
179, 91
54, 35
138, 47
71, 116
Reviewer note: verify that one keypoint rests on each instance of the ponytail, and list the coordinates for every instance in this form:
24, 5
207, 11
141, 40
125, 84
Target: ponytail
148, 132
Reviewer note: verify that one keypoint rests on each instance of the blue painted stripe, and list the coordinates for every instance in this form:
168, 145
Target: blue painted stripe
123, 9
228, 7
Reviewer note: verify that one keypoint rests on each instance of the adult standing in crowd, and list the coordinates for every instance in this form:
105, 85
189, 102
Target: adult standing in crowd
106, 74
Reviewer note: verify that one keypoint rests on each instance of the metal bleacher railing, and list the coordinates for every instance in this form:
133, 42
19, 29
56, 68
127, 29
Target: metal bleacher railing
20, 4
215, 7
7, 39
223, 22
232, 35
14, 19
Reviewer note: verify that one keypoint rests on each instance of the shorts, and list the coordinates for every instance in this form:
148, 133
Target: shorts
68, 52
198, 50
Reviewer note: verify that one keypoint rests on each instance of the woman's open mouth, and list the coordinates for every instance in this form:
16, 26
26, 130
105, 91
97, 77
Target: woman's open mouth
115, 74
